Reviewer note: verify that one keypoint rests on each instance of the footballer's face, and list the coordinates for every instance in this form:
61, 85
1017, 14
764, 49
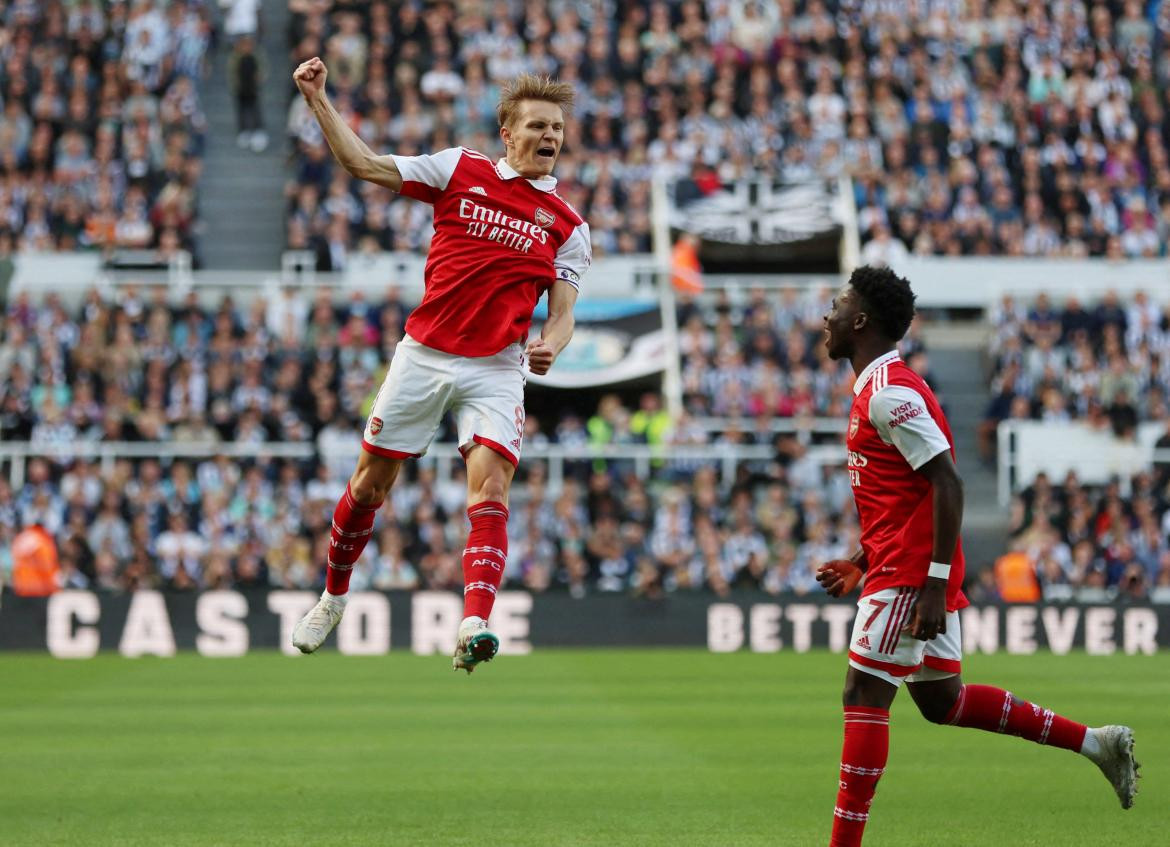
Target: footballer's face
844, 320
534, 137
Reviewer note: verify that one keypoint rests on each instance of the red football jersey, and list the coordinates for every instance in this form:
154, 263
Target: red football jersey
500, 242
895, 427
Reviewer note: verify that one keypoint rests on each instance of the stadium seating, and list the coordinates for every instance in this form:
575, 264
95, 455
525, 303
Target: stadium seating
963, 134
967, 128
101, 131
1106, 363
1071, 541
756, 358
142, 369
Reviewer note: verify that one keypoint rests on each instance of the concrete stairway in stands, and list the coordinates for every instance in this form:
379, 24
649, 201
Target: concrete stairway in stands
242, 200
957, 361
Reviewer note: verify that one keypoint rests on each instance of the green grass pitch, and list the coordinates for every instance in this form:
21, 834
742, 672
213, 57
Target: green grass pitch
675, 748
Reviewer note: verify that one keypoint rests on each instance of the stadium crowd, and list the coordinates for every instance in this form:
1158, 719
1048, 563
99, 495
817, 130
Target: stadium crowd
1107, 363
101, 131
982, 127
136, 367
1070, 540
759, 356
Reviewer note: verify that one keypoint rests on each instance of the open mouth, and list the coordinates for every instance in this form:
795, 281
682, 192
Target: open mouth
546, 152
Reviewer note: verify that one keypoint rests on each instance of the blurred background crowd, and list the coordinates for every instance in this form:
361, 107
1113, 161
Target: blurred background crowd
141, 367
977, 127
1107, 363
101, 129
981, 127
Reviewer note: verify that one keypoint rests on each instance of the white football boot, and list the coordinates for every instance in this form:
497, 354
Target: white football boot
311, 631
474, 644
1114, 756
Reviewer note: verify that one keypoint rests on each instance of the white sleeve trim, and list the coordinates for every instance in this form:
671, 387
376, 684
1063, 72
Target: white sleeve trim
434, 169
901, 417
574, 256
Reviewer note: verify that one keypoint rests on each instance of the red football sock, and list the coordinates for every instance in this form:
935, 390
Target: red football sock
485, 557
995, 710
863, 761
353, 522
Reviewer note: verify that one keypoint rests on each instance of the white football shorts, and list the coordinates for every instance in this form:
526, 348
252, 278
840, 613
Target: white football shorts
879, 647
485, 393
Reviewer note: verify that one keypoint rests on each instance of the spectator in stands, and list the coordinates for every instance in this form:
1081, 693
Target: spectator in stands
242, 17
651, 423
245, 75
883, 249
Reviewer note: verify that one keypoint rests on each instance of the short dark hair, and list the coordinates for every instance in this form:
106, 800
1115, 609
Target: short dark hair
887, 297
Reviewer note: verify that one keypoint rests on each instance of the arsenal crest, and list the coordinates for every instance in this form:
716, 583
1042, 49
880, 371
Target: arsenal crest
854, 423
375, 426
544, 219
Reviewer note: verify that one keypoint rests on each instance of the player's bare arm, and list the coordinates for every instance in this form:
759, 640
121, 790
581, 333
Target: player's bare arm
929, 616
557, 330
839, 577
348, 148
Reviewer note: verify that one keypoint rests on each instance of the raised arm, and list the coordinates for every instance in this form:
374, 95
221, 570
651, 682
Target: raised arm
350, 151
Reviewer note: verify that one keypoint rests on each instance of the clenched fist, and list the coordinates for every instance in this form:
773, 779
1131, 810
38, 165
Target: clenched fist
540, 356
310, 77
838, 577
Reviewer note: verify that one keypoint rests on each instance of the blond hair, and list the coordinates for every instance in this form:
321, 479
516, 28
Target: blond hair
532, 87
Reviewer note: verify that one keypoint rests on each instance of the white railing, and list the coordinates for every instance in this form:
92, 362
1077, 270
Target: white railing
73, 274
108, 452
1027, 448
644, 457
817, 426
978, 282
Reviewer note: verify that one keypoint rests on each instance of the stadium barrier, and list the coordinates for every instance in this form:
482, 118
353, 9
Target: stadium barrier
939, 282
74, 273
977, 282
79, 624
441, 456
1028, 448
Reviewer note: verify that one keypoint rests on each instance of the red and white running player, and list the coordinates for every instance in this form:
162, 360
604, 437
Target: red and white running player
503, 237
910, 504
